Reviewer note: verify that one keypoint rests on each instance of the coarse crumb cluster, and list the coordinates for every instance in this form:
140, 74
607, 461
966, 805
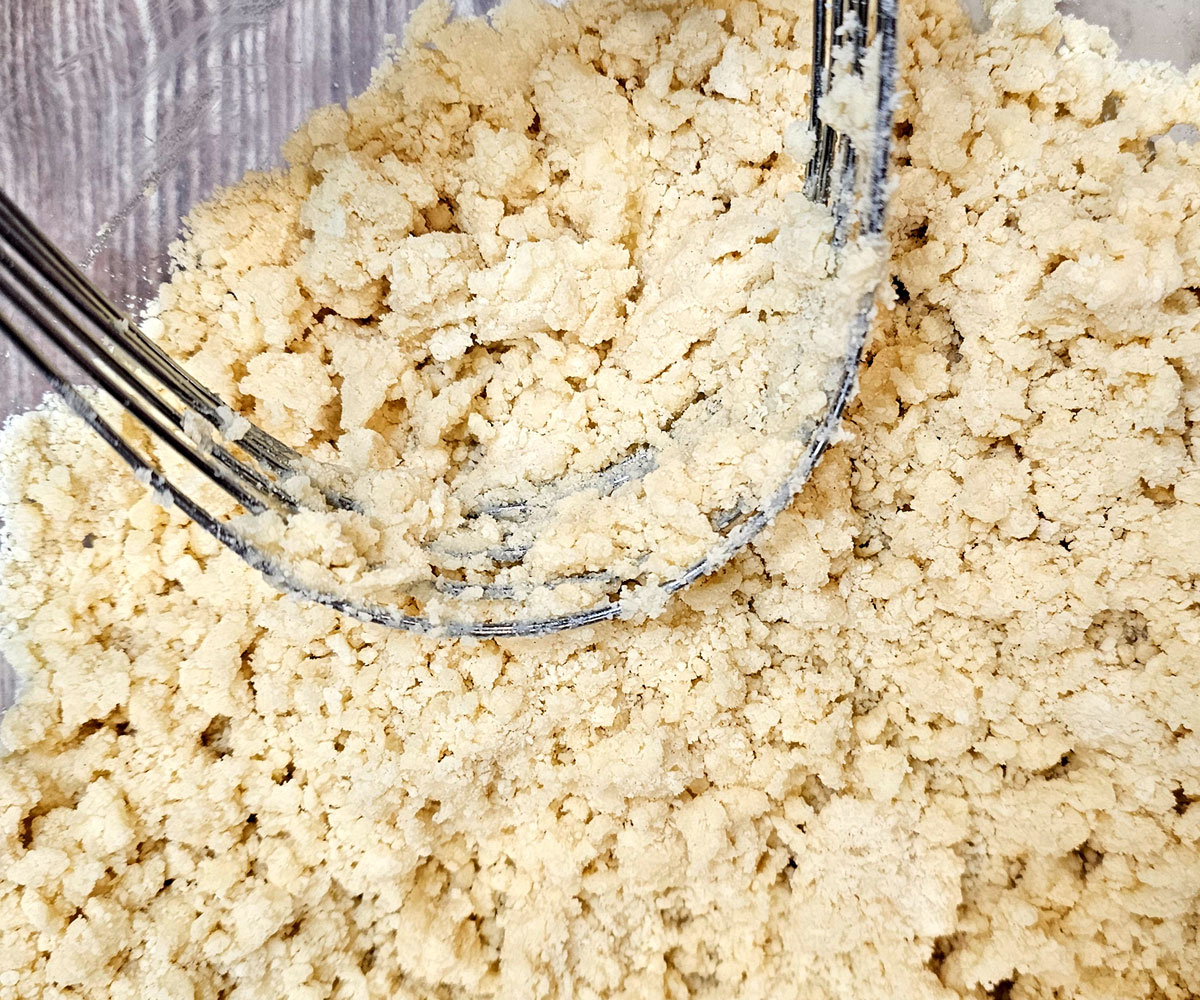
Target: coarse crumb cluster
935, 735
532, 250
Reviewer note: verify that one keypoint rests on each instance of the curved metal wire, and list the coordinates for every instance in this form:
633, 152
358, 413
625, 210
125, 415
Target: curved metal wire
59, 312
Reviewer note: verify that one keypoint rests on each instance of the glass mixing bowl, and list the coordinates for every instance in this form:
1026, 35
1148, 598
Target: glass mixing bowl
116, 118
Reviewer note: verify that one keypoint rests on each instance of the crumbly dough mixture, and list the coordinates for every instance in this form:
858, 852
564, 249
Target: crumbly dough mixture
523, 256
936, 735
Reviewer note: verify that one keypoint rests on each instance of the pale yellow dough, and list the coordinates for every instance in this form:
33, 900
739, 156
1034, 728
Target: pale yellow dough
491, 278
935, 735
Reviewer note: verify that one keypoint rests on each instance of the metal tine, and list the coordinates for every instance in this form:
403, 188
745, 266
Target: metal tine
276, 458
231, 474
83, 294
241, 482
839, 19
78, 404
836, 24
841, 194
886, 34
857, 39
116, 329
21, 269
816, 183
837, 141
145, 351
862, 12
227, 536
510, 515
262, 447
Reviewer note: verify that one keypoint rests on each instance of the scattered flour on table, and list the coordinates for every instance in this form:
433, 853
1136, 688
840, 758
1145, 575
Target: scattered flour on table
935, 735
